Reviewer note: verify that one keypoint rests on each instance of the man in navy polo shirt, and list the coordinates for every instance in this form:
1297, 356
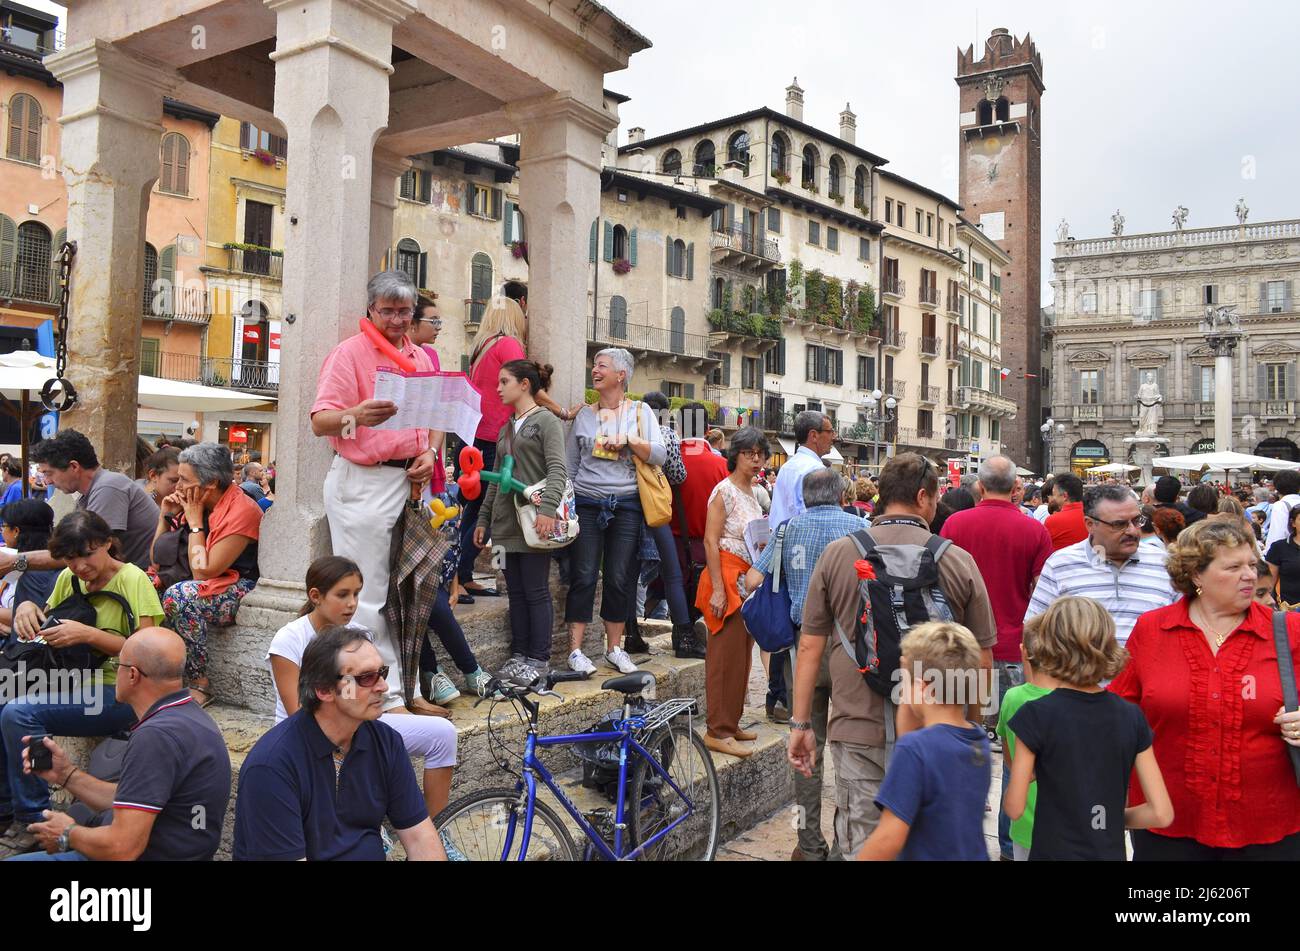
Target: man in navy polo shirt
171, 798
318, 785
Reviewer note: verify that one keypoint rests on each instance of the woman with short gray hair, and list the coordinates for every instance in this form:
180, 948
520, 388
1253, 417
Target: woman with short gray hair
217, 527
601, 445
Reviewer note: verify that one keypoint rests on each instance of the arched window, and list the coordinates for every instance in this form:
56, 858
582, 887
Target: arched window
738, 149
24, 141
677, 331
618, 317
1003, 109
408, 259
620, 242
175, 177
254, 336
480, 285
705, 163
672, 162
677, 258
835, 178
32, 262
984, 113
860, 186
809, 177
148, 291
780, 154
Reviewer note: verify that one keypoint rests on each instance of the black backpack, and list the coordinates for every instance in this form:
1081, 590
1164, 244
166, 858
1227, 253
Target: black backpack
906, 591
77, 606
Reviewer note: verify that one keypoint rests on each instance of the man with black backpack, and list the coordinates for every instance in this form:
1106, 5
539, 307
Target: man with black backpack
918, 577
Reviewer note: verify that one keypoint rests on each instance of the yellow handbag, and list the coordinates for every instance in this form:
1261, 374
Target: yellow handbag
652, 485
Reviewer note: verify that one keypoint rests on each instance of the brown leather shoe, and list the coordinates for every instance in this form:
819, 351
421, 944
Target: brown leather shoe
731, 746
745, 735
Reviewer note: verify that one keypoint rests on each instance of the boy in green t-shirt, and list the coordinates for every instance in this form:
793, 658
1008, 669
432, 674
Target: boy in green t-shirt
1022, 829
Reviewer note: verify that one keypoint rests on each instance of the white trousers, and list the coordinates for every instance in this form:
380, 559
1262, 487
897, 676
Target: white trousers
363, 505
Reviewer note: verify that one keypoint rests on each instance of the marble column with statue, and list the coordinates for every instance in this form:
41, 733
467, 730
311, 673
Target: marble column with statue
1147, 443
1222, 329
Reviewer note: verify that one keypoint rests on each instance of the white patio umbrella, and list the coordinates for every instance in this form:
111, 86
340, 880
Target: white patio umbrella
1223, 462
1113, 468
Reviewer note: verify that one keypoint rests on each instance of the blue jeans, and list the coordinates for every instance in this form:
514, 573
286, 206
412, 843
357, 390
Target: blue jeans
444, 624
669, 570
609, 530
1009, 675
47, 857
532, 615
60, 716
469, 517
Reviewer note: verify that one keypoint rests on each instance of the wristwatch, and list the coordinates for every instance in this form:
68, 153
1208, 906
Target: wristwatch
804, 726
20, 563
64, 836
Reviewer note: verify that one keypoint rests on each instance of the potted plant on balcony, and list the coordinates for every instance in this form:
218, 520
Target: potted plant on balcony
781, 178
717, 319
622, 265
263, 156
861, 206
837, 197
519, 249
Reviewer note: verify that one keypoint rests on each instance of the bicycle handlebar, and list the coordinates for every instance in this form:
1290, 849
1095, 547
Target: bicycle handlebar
538, 685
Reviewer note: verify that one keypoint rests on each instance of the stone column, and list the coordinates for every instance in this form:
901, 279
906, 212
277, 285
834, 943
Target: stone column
559, 194
386, 169
332, 66
111, 130
1223, 346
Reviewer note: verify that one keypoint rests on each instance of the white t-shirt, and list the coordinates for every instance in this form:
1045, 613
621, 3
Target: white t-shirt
1279, 520
290, 642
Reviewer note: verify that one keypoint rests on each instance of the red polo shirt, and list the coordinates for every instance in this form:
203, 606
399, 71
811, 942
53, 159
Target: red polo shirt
1066, 526
1009, 549
704, 470
1222, 757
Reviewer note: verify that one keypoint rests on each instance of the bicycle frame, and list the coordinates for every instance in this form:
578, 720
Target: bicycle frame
535, 769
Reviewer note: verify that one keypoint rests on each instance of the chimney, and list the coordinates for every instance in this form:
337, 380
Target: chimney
635, 135
848, 125
794, 100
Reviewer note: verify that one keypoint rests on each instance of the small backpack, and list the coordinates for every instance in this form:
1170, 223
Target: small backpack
904, 592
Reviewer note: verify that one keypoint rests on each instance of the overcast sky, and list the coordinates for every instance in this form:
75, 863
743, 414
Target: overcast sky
1148, 104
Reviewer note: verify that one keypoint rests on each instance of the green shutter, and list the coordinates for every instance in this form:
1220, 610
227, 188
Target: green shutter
167, 275
424, 269
591, 246
8, 249
690, 261
469, 198
60, 239
509, 218
609, 241
1263, 382
689, 390
496, 203
631, 248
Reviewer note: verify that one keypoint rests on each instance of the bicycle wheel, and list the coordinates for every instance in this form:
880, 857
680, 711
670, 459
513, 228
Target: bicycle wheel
652, 804
478, 827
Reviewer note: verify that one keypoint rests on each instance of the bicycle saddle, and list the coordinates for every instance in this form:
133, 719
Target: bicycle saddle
630, 683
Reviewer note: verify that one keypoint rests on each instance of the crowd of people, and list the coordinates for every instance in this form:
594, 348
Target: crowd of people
1084, 633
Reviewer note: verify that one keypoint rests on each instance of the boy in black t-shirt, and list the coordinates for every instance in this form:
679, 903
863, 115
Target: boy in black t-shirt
1081, 743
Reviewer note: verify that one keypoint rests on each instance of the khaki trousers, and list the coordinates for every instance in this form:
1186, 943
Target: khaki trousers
859, 771
726, 676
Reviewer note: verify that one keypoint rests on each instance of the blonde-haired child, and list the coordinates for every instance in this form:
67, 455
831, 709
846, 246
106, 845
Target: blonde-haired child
1081, 743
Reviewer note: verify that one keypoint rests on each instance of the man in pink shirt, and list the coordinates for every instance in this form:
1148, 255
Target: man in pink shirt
370, 477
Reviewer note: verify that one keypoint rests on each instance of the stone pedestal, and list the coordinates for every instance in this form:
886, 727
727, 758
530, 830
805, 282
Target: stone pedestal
111, 131
1144, 452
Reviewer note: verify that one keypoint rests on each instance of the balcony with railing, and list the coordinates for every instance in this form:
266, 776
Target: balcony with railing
929, 346
897, 388
929, 296
930, 394
952, 351
37, 284
982, 400
736, 243
892, 286
172, 302
644, 339
235, 373
955, 443
893, 338
262, 262
926, 434
951, 305
1092, 413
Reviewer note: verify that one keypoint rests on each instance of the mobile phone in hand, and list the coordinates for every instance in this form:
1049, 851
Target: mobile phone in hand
38, 754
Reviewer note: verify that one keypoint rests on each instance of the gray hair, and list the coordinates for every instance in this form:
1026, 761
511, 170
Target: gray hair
210, 462
998, 475
390, 285
1094, 495
622, 360
247, 472
969, 479
823, 487
747, 437
807, 423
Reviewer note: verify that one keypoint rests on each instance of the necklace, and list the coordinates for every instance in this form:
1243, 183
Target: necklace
1218, 638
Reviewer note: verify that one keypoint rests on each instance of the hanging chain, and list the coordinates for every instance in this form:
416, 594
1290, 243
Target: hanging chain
58, 394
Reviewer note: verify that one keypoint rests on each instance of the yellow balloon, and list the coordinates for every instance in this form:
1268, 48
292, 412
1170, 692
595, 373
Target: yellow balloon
442, 513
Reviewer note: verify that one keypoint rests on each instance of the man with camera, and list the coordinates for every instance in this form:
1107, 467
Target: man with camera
171, 798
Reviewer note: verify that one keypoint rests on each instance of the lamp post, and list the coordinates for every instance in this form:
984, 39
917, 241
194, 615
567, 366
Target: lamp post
878, 409
1050, 430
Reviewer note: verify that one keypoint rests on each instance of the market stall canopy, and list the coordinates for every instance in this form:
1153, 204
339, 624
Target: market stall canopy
788, 446
1223, 462
833, 458
26, 371
1113, 468
1022, 471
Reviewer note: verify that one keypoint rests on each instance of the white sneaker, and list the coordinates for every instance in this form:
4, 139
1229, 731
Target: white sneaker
581, 663
618, 659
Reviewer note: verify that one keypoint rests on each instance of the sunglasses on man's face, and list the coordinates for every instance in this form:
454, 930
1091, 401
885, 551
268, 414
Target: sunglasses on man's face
368, 678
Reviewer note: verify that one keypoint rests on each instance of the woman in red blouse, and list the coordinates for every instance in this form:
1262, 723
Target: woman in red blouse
1204, 670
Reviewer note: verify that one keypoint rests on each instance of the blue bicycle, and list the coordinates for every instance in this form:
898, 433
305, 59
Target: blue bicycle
667, 805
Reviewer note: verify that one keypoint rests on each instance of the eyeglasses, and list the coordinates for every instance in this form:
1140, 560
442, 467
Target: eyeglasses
433, 322
368, 678
1120, 524
751, 453
133, 667
395, 313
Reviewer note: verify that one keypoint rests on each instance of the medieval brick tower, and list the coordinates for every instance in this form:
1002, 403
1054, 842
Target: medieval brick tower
1001, 88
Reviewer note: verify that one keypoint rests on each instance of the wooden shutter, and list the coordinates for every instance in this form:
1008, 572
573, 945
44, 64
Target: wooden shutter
690, 261
507, 230
689, 390
591, 244
668, 256
1263, 299
424, 269
168, 163
1076, 387
425, 186
181, 156
609, 241
731, 216
726, 369
167, 278
406, 185
469, 198
60, 239
496, 203
245, 136
631, 247
1101, 386
839, 367
1286, 296
1262, 393
810, 363
1290, 382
